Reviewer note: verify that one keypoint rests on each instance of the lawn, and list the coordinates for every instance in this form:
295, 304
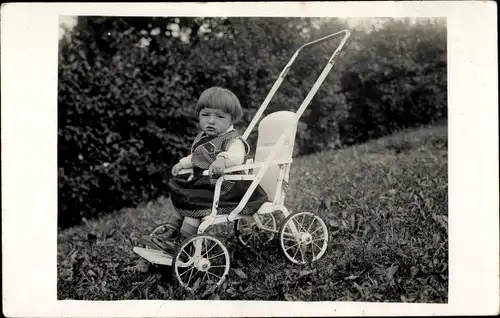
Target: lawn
385, 204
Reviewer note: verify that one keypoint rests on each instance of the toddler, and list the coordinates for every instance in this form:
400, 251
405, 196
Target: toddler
217, 147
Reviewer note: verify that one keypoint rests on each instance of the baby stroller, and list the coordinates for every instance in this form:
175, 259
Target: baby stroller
203, 259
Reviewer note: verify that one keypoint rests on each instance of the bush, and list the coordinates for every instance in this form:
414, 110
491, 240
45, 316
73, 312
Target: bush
389, 79
128, 86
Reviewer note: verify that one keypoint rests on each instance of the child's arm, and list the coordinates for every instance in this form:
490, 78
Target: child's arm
186, 162
234, 154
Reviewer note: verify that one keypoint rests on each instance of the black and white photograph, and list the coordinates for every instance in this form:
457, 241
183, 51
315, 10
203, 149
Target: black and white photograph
275, 158
355, 206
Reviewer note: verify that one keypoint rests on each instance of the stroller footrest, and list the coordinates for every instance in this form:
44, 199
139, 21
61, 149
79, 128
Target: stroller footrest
154, 256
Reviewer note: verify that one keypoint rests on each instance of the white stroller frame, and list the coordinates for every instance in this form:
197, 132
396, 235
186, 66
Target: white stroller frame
291, 229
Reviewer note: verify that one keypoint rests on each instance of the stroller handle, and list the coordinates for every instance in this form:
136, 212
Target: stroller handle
284, 72
298, 113
346, 32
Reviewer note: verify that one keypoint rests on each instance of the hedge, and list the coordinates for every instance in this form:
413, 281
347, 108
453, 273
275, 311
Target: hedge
128, 86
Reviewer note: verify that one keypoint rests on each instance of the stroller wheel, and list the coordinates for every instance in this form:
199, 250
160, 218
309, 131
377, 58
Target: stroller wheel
248, 233
201, 263
303, 237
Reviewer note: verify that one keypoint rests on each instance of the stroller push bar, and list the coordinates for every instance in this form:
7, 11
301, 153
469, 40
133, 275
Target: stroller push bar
298, 114
284, 72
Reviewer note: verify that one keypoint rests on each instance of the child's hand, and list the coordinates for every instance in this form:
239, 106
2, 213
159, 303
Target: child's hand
217, 167
176, 169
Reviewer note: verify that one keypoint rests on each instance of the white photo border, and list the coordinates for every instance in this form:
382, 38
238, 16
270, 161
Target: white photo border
29, 35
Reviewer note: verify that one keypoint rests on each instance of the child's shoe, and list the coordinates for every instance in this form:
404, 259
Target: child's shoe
153, 242
172, 245
156, 241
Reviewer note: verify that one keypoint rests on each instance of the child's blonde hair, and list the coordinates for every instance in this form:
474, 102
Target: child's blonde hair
222, 99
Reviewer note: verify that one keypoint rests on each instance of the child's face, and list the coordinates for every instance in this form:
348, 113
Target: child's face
214, 121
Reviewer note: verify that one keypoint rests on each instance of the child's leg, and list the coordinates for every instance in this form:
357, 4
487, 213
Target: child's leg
175, 219
189, 226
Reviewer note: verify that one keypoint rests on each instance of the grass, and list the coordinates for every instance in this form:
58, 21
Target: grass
385, 204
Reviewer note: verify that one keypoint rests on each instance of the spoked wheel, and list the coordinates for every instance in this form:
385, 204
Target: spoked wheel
303, 237
248, 232
201, 263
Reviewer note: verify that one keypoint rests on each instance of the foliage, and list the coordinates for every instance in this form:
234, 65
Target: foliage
398, 80
127, 87
385, 205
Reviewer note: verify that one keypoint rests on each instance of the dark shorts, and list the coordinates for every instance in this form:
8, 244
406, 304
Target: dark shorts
194, 198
